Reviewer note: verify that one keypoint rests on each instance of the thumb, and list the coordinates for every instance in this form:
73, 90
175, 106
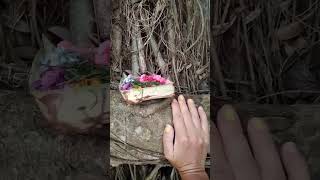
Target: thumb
168, 136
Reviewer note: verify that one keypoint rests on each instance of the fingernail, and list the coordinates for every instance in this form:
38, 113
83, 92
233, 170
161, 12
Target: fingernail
167, 129
258, 123
190, 101
181, 97
229, 113
201, 108
174, 101
291, 147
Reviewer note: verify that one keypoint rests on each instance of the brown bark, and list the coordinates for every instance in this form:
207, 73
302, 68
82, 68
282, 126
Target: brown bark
136, 130
81, 21
103, 10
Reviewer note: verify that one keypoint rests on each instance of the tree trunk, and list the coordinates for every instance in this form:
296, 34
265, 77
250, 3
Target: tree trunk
103, 10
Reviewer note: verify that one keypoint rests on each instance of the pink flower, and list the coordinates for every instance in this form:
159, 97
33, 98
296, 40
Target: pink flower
152, 78
159, 79
145, 78
102, 56
162, 81
142, 78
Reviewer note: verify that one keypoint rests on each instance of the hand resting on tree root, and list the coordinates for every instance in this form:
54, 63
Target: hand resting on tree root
185, 146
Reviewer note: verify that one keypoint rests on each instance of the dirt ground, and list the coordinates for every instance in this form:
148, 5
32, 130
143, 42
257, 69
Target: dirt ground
30, 151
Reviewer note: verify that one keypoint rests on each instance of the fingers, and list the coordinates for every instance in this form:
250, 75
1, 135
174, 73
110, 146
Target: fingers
204, 122
189, 150
168, 136
236, 146
194, 113
265, 151
186, 114
221, 168
294, 163
178, 121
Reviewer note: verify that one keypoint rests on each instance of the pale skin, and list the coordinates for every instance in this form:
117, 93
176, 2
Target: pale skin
236, 157
185, 145
255, 157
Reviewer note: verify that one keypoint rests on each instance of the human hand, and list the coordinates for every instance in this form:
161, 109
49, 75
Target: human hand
186, 145
235, 160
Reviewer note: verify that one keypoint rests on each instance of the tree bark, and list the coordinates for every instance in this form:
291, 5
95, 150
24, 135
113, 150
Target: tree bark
103, 10
136, 130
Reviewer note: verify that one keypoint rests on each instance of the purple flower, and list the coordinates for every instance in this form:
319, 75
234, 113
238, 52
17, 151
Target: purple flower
126, 86
36, 84
52, 78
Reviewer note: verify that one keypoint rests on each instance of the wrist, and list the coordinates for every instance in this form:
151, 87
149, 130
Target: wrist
193, 171
191, 168
201, 175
